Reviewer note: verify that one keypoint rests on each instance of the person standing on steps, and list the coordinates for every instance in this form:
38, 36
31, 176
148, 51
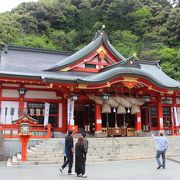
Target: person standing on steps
69, 150
161, 147
80, 158
86, 144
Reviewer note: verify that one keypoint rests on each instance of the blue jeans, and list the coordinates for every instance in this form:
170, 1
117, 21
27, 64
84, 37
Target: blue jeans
161, 153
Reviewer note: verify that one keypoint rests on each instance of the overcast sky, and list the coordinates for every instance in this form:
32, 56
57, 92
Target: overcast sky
7, 5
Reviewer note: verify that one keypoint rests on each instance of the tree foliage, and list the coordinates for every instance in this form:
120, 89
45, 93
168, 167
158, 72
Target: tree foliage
151, 28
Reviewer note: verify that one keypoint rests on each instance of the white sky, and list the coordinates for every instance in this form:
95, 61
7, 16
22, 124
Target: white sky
7, 5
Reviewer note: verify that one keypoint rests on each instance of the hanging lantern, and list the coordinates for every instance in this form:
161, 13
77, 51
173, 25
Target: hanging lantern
146, 98
105, 97
22, 91
74, 97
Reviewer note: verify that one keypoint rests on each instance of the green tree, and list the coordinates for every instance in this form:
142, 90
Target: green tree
126, 42
10, 29
35, 41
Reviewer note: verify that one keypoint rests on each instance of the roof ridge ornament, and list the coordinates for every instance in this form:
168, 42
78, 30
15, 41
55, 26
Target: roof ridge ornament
100, 32
103, 27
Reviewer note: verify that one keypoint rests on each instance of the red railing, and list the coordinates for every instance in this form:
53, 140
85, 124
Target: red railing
37, 131
177, 130
169, 130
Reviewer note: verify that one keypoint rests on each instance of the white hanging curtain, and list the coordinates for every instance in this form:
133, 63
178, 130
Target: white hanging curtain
177, 115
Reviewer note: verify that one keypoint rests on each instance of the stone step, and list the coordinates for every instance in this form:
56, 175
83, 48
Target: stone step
19, 157
100, 149
15, 160
9, 162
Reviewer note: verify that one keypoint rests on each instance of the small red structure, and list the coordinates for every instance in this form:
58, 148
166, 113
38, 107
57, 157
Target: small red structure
25, 122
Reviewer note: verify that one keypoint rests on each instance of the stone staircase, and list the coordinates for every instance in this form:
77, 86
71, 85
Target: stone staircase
50, 151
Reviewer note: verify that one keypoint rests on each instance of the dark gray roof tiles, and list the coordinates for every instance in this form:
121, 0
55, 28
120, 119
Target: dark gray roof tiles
31, 63
31, 58
99, 39
150, 72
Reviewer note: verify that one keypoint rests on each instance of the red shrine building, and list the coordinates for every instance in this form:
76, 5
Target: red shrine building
95, 89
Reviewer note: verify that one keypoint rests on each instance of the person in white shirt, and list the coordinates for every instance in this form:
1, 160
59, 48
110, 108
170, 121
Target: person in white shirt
161, 147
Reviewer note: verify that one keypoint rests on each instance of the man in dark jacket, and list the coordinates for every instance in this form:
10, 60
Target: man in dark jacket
69, 150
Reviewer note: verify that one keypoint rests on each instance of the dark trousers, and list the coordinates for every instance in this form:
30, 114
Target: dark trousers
85, 157
69, 160
163, 154
64, 159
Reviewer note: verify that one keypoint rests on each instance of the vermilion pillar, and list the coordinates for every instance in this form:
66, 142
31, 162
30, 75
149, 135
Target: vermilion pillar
64, 117
24, 141
172, 121
160, 115
0, 100
98, 119
138, 124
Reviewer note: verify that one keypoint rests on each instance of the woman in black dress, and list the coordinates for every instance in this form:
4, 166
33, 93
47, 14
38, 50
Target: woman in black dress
80, 158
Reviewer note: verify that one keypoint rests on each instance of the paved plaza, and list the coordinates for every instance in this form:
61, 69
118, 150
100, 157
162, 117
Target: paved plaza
121, 170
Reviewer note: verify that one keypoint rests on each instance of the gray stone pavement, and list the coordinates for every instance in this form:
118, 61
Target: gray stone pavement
120, 170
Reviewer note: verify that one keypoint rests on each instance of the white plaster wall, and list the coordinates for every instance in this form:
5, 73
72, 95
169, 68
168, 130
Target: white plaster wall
82, 65
35, 86
177, 100
25, 104
10, 93
10, 85
41, 95
60, 115
9, 104
178, 114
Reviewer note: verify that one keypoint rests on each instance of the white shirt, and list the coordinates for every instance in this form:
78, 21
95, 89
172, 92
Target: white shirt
161, 142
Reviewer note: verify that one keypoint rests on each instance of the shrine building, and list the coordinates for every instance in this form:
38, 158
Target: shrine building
96, 90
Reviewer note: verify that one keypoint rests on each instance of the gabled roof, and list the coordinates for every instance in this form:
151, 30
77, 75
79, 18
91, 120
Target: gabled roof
99, 39
25, 118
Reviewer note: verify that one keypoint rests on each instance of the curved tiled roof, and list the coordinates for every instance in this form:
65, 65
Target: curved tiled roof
148, 71
99, 39
29, 63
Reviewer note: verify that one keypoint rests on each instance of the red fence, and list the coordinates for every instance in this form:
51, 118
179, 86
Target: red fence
37, 131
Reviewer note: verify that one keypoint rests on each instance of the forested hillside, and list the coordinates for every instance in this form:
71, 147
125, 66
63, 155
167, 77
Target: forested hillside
151, 28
